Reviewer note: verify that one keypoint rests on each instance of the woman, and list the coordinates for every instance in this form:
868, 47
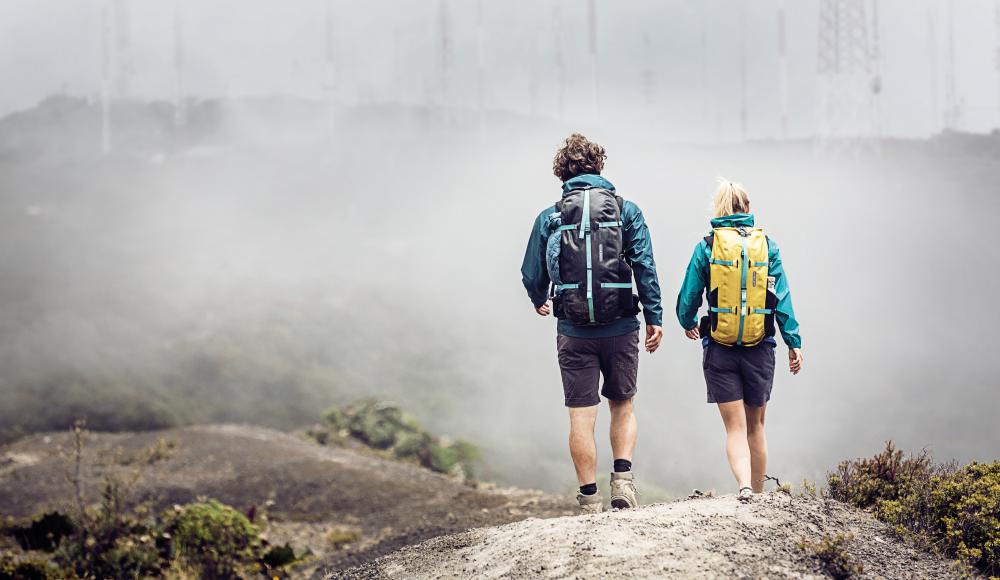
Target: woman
739, 269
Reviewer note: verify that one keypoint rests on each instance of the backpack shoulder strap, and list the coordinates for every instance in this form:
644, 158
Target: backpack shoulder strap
710, 239
621, 204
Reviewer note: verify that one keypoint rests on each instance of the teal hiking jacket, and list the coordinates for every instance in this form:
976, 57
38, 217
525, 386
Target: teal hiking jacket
696, 283
638, 249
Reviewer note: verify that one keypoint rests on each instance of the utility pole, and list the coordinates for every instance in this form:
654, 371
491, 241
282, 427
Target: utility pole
592, 34
481, 67
331, 79
996, 54
783, 69
952, 107
743, 73
444, 50
876, 60
932, 56
180, 105
107, 67
122, 53
846, 71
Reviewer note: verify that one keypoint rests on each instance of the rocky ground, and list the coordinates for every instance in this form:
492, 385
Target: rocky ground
697, 538
316, 491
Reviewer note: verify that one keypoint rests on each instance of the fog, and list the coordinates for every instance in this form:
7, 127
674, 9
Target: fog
330, 221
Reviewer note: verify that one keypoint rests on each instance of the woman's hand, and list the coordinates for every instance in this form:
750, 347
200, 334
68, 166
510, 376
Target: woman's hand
795, 360
693, 334
545, 309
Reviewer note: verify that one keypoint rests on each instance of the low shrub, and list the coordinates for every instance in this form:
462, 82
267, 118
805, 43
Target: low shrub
28, 568
385, 427
955, 511
832, 555
340, 536
279, 556
213, 538
44, 533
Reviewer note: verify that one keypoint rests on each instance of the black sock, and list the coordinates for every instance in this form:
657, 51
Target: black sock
589, 489
622, 465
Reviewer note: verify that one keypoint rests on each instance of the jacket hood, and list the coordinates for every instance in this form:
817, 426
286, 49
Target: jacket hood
736, 220
587, 181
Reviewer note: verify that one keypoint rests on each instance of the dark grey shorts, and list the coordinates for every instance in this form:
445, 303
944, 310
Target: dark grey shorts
733, 373
582, 361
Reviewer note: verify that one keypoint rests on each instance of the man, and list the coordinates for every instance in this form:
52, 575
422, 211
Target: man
585, 250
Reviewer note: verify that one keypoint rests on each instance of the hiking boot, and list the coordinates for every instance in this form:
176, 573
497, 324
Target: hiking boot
745, 494
623, 492
590, 504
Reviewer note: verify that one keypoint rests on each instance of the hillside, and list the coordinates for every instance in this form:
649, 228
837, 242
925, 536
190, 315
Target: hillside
698, 538
315, 490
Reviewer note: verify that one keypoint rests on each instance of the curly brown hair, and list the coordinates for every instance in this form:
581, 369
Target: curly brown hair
578, 156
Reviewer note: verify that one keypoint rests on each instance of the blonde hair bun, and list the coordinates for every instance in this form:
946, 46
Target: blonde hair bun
730, 198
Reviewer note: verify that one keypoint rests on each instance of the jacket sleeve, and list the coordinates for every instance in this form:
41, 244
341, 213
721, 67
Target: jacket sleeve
534, 274
639, 252
784, 313
689, 298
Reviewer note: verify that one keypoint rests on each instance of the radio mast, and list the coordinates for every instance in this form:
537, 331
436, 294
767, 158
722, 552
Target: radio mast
996, 55
180, 106
592, 36
107, 68
849, 81
743, 73
952, 110
444, 52
783, 69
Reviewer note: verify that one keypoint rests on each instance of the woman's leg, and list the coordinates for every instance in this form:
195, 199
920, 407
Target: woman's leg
758, 445
737, 447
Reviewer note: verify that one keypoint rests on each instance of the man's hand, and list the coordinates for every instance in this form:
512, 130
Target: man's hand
693, 334
545, 309
795, 360
654, 334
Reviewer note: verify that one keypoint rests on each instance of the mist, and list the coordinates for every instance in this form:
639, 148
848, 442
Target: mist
342, 209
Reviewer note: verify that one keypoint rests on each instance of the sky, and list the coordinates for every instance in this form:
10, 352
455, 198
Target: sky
672, 65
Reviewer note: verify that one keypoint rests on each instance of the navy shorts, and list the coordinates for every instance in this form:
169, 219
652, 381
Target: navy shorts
734, 373
582, 361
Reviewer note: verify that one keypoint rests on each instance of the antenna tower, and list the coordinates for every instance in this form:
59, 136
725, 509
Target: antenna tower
846, 69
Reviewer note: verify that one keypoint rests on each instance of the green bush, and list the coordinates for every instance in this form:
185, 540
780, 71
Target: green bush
44, 533
28, 568
213, 538
867, 482
110, 541
833, 557
384, 426
953, 510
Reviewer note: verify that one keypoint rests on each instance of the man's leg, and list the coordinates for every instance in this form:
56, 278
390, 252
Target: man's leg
582, 446
758, 445
623, 429
737, 447
620, 365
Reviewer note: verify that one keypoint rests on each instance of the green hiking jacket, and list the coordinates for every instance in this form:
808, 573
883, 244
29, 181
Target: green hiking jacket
638, 249
696, 283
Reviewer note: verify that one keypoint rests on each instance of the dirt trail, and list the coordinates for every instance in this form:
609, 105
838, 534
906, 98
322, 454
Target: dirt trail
314, 488
700, 538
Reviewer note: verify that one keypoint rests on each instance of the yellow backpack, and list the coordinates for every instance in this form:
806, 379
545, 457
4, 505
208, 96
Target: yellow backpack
738, 285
